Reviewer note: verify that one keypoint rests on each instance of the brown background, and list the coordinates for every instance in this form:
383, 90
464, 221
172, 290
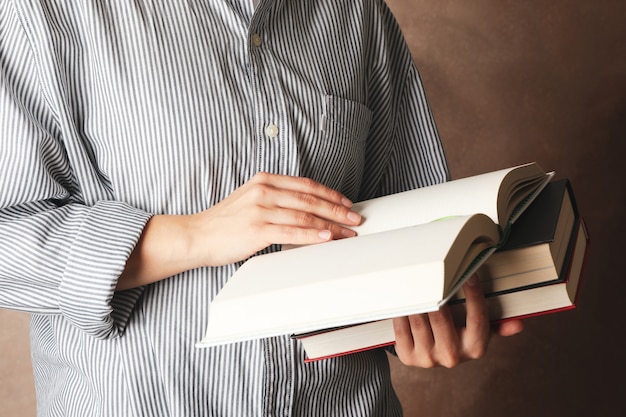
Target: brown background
509, 82
515, 81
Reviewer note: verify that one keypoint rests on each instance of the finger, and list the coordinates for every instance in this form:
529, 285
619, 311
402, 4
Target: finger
414, 340
289, 235
509, 327
447, 351
475, 336
302, 185
305, 220
319, 207
270, 197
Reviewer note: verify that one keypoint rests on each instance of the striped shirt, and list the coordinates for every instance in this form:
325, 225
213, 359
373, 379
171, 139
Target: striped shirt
112, 111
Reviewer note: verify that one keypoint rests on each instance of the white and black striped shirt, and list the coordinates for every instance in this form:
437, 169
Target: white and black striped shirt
111, 111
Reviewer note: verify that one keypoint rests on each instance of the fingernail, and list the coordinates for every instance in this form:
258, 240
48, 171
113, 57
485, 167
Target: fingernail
325, 234
354, 217
348, 233
346, 202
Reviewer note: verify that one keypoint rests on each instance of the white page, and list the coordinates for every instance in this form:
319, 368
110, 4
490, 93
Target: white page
390, 274
465, 196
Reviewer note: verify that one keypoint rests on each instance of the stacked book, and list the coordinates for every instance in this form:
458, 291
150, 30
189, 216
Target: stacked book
516, 228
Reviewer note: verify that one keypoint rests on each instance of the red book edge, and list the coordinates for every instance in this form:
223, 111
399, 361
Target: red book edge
363, 349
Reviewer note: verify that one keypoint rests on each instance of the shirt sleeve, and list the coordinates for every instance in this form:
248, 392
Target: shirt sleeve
58, 253
404, 148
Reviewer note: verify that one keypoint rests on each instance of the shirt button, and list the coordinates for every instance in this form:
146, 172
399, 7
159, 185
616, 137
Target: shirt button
271, 130
256, 40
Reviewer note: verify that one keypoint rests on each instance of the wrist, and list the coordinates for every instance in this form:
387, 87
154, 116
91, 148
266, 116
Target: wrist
166, 247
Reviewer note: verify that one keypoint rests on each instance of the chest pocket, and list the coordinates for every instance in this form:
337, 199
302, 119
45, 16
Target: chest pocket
344, 127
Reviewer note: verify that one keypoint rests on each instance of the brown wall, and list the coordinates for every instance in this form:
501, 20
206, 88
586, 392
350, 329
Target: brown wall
509, 82
515, 81
17, 392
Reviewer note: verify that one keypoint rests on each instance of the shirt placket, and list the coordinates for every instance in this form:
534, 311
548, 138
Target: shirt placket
276, 150
276, 154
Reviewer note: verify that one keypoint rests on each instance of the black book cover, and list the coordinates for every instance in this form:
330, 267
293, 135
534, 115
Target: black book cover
538, 223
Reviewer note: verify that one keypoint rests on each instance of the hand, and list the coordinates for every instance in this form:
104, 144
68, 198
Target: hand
272, 209
431, 340
269, 209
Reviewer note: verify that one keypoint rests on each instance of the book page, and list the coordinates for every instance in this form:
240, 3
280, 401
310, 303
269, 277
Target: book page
388, 274
465, 196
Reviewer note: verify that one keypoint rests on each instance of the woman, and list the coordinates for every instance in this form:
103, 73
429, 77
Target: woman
150, 147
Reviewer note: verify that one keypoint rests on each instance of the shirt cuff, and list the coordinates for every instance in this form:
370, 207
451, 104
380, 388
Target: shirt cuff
98, 255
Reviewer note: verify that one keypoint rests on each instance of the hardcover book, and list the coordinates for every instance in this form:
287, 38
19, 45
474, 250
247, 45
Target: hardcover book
412, 253
538, 271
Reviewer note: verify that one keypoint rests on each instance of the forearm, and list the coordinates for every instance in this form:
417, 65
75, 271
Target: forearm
165, 248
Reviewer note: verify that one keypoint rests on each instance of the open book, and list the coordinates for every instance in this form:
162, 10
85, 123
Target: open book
538, 247
413, 251
537, 272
